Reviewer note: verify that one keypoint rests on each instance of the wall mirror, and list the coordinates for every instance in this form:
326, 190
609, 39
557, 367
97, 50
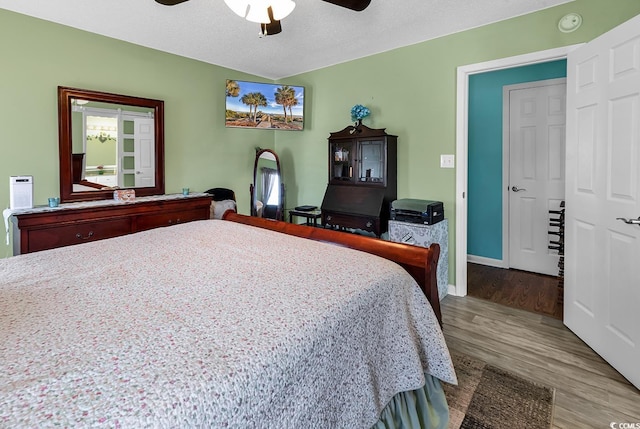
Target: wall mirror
267, 189
109, 141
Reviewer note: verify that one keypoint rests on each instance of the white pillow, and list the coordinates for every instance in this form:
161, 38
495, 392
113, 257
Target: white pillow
219, 207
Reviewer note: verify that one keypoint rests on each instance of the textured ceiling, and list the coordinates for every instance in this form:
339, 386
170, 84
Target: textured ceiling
316, 34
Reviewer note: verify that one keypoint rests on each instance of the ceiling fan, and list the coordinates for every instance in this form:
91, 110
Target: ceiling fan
269, 18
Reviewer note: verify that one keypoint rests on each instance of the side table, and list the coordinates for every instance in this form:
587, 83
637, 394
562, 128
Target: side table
311, 217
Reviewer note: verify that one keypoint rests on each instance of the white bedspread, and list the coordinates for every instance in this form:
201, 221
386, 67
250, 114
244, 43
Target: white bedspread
210, 324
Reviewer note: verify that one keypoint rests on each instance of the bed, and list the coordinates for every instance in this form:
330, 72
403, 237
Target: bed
223, 324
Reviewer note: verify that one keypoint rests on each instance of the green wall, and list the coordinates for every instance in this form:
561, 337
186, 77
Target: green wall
38, 56
411, 91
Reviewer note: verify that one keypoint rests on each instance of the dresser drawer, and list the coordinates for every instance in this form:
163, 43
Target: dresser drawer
157, 220
79, 232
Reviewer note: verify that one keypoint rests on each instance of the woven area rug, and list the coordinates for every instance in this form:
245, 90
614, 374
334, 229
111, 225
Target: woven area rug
491, 398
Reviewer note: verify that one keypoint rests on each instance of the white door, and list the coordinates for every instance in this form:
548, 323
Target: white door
144, 148
537, 112
602, 265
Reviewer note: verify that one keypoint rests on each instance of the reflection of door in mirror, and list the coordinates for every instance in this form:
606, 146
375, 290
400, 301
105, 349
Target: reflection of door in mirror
118, 146
267, 190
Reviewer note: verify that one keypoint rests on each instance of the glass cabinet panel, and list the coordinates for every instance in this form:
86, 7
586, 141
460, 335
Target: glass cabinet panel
342, 161
371, 161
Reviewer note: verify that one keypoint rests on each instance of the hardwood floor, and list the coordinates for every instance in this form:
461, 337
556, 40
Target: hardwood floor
515, 288
589, 392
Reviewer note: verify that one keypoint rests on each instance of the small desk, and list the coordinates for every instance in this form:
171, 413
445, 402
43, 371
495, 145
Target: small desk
311, 216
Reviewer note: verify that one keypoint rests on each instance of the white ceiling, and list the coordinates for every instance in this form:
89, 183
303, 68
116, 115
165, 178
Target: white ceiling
316, 34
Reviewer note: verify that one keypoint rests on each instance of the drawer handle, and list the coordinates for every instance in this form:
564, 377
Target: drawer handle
80, 237
369, 224
329, 217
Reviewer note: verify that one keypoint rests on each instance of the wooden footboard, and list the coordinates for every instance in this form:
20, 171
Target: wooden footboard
420, 262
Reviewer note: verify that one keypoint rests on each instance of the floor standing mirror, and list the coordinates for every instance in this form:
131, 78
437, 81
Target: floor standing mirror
267, 189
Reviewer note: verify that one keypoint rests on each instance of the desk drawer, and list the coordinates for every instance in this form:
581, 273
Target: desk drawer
365, 223
79, 232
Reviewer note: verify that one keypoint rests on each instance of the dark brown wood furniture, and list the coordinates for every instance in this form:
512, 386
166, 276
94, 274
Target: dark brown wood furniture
267, 183
362, 179
77, 162
420, 262
71, 99
311, 216
38, 230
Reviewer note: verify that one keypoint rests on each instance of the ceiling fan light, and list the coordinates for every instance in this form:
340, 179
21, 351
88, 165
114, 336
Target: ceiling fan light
282, 8
258, 12
239, 7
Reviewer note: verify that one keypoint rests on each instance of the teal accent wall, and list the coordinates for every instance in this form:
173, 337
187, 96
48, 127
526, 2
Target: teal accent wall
484, 220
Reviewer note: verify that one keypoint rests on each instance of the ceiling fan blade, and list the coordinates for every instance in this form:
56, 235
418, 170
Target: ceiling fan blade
357, 5
170, 2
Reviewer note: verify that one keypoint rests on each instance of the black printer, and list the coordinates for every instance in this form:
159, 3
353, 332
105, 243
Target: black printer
417, 211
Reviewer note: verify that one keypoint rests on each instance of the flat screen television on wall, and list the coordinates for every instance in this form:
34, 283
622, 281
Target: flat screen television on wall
264, 106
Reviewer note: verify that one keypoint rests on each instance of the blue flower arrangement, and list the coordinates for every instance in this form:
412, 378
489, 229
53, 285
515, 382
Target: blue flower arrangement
359, 112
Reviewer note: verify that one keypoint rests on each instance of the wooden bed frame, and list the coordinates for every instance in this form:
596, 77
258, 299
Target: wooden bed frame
420, 262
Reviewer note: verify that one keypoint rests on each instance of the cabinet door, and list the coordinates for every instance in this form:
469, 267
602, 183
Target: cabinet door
371, 161
341, 161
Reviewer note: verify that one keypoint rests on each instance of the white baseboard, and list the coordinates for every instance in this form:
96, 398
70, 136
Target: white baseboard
451, 290
486, 261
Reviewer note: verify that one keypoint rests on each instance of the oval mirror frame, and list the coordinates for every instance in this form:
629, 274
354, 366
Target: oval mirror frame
253, 188
66, 95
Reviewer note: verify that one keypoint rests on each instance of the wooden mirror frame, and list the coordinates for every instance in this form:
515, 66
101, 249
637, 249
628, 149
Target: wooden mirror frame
252, 187
65, 97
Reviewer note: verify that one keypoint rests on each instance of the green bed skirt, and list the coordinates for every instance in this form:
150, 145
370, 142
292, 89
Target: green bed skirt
417, 409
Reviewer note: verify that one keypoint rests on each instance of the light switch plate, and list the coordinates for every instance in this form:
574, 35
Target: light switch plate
447, 161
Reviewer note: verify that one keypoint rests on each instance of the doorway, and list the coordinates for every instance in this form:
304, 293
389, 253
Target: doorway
118, 147
462, 149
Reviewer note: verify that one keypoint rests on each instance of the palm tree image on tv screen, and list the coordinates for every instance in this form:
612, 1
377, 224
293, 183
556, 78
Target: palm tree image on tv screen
264, 106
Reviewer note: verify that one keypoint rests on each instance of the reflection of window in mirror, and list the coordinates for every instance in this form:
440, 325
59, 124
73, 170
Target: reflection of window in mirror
118, 145
267, 189
272, 183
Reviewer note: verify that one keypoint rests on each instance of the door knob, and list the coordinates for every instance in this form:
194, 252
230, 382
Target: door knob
630, 221
516, 189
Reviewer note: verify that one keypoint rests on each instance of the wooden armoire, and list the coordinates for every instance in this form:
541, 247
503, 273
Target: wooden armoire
362, 179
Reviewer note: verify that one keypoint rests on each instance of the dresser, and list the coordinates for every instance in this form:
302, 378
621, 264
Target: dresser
43, 228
